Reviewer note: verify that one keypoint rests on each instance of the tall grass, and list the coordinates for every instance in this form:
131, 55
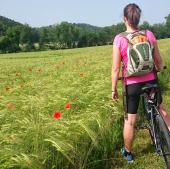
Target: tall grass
35, 85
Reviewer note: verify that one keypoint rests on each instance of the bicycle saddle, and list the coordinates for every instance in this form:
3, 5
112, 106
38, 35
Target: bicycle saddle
148, 87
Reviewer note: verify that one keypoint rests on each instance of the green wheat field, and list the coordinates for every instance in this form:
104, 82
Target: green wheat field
85, 135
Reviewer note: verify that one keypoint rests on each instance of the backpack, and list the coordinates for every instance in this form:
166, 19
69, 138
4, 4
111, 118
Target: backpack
139, 52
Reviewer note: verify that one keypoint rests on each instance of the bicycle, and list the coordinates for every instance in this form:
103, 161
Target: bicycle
158, 130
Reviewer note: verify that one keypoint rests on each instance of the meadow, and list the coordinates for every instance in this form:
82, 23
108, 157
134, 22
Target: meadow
56, 111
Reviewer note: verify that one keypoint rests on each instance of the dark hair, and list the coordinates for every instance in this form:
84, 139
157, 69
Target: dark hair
132, 12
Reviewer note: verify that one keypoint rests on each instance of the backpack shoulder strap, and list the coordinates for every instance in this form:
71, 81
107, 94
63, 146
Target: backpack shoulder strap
127, 36
124, 34
145, 33
136, 33
141, 32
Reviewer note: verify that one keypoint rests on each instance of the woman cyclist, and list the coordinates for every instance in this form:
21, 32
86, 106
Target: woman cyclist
133, 84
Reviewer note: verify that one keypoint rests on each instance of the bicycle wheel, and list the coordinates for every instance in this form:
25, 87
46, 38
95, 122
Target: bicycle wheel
147, 115
164, 139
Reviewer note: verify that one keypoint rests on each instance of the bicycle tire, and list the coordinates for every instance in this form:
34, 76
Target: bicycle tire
164, 137
151, 134
148, 117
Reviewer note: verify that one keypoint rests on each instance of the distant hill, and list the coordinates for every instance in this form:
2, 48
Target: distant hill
5, 23
85, 27
88, 27
8, 22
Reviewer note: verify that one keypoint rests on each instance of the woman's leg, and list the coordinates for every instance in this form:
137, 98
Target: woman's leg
165, 115
132, 100
129, 130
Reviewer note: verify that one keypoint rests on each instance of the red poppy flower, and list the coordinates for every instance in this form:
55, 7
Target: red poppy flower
67, 106
56, 115
10, 106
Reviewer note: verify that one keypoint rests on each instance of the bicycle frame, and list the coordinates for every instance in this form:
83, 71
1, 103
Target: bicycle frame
149, 111
156, 122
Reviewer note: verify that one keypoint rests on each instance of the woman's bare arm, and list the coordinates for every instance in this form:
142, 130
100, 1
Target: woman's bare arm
157, 58
115, 67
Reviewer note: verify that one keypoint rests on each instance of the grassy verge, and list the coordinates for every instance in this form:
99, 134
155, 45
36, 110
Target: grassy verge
34, 86
88, 135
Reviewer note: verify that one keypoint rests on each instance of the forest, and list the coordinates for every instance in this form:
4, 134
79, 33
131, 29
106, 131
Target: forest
16, 37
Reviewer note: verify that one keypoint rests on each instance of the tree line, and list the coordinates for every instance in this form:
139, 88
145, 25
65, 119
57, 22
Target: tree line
15, 37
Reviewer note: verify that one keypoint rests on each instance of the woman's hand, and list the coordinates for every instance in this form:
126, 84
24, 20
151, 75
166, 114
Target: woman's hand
115, 71
115, 95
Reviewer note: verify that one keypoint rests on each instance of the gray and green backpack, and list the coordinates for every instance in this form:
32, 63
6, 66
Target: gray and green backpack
139, 53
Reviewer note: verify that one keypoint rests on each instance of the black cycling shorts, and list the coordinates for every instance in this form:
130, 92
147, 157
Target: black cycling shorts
133, 96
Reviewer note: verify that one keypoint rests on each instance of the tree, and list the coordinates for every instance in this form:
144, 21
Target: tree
43, 36
35, 35
159, 31
4, 44
13, 37
167, 24
14, 33
145, 25
26, 35
82, 38
2, 29
65, 34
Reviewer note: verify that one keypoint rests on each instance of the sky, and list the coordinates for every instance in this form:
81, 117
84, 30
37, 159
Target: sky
39, 13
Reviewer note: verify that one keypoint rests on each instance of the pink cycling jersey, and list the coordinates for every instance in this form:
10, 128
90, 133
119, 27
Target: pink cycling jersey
122, 44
